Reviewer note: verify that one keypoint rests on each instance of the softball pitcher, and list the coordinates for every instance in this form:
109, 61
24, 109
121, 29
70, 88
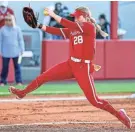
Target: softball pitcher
81, 35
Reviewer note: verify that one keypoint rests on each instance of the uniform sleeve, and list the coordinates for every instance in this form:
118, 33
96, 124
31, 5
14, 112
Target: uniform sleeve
58, 31
20, 40
68, 24
71, 25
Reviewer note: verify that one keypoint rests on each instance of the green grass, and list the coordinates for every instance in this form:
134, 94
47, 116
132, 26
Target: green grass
73, 88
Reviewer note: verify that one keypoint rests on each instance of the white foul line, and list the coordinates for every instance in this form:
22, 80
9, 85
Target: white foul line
59, 123
58, 99
40, 92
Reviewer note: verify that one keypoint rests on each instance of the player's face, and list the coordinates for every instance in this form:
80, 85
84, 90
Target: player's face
80, 19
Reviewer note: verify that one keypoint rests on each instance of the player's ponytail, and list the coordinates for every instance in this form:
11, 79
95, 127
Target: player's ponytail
89, 18
98, 28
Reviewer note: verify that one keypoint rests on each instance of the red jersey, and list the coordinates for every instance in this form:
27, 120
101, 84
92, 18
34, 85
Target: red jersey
82, 38
9, 11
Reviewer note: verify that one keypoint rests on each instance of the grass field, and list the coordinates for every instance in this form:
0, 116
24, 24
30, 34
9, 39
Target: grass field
66, 87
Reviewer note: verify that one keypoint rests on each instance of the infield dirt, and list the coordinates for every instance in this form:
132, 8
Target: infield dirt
63, 111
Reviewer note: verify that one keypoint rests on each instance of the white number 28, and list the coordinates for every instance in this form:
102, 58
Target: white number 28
78, 40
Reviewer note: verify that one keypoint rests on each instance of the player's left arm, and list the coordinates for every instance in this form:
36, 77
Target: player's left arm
56, 31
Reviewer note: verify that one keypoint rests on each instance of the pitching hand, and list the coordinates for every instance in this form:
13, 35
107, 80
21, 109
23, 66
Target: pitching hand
49, 12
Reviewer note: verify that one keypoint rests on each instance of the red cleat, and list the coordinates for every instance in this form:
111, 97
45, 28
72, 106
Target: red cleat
125, 119
19, 94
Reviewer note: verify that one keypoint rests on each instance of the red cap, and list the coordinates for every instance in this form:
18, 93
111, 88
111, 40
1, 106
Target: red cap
78, 13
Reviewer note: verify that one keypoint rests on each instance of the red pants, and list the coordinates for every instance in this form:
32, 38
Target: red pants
67, 70
82, 73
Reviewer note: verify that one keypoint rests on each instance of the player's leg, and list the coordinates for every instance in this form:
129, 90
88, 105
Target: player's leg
86, 83
58, 72
121, 114
85, 80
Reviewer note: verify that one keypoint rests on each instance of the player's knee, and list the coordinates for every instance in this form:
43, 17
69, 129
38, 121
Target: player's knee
40, 80
95, 103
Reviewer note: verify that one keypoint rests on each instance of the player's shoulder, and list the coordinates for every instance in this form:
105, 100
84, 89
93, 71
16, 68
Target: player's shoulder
88, 24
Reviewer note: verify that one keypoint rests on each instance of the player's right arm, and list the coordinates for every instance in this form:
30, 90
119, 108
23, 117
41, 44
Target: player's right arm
56, 31
64, 22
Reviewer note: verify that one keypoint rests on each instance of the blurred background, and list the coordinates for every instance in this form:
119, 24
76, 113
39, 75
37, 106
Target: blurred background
126, 11
115, 55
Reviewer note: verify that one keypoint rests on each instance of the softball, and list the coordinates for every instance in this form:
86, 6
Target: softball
45, 13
